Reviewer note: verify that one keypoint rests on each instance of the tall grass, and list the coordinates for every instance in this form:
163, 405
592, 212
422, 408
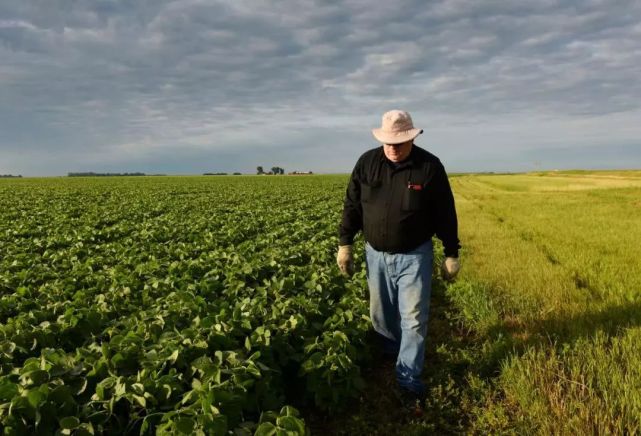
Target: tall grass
551, 283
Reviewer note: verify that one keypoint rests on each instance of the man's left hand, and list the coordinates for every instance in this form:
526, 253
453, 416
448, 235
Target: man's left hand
450, 268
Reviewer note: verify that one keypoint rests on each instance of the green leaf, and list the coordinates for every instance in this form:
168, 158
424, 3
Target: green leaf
61, 395
268, 416
7, 347
7, 390
85, 429
314, 361
145, 426
215, 425
173, 357
138, 388
266, 429
184, 425
117, 359
37, 377
255, 356
253, 370
289, 411
69, 423
36, 398
20, 403
79, 386
291, 423
140, 400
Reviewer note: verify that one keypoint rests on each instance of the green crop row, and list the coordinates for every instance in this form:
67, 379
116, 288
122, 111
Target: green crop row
174, 305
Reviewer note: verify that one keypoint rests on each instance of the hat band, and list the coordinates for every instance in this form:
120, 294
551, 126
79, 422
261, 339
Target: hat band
397, 132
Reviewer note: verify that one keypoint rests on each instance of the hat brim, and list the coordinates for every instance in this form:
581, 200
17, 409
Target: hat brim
395, 137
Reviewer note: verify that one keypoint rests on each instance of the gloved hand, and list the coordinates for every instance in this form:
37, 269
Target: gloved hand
450, 268
345, 259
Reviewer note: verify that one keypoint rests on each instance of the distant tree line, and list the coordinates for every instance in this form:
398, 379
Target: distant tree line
275, 170
10, 176
92, 174
220, 174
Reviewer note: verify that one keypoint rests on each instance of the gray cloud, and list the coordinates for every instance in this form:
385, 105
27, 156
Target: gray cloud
206, 85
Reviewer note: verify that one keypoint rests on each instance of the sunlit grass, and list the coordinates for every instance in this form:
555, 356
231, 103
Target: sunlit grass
558, 258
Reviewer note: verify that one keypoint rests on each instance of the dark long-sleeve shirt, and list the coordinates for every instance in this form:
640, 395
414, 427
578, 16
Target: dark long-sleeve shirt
399, 206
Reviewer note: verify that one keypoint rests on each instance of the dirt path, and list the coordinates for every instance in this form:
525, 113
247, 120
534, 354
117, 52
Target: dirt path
450, 354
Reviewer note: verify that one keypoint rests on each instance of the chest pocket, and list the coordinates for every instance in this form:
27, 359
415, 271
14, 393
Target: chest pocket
371, 191
414, 199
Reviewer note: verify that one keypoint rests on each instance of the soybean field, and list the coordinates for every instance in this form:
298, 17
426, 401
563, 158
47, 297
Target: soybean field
213, 305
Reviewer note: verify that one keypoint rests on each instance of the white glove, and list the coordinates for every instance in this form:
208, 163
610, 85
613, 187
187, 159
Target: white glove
345, 259
450, 268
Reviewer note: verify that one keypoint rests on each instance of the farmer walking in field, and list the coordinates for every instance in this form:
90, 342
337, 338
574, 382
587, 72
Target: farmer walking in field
399, 196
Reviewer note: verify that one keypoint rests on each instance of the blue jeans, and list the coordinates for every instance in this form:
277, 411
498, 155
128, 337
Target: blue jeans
400, 286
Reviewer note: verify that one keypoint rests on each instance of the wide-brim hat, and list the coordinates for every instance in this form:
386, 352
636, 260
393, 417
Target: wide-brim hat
396, 127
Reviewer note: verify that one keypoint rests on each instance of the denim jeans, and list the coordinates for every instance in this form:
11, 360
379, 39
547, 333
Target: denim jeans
400, 287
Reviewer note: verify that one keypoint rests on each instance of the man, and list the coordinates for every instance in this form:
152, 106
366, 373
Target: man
399, 196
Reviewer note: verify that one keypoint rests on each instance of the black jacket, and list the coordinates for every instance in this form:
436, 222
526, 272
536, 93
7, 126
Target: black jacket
400, 206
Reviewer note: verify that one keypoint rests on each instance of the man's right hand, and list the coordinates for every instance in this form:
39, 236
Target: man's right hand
345, 259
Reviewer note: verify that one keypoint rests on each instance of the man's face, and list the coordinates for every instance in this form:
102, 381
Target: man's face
397, 152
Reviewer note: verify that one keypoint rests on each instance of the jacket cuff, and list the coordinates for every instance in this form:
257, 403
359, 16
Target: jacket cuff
346, 240
451, 252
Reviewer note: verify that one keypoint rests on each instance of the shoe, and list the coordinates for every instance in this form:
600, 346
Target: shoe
413, 402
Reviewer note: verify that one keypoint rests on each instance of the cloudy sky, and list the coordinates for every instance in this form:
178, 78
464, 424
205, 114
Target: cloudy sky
193, 86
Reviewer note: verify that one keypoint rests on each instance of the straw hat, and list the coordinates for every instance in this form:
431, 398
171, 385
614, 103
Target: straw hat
396, 127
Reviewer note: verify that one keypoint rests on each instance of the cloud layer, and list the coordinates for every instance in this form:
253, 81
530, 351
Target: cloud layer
194, 85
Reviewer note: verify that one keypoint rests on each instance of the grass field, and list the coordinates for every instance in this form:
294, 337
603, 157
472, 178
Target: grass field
193, 304
557, 259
